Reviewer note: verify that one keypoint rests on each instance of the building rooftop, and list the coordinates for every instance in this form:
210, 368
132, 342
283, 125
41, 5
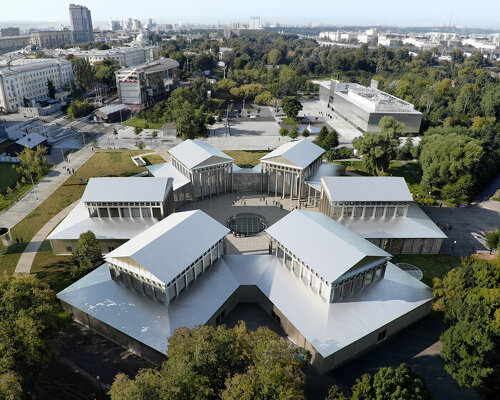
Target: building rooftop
326, 246
415, 225
132, 189
170, 246
153, 66
78, 221
31, 140
112, 108
11, 67
195, 153
362, 188
167, 170
299, 154
329, 327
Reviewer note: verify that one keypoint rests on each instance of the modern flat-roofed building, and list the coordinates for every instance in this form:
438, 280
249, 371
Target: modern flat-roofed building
51, 39
332, 291
115, 210
199, 170
364, 107
81, 23
24, 80
284, 170
381, 209
147, 83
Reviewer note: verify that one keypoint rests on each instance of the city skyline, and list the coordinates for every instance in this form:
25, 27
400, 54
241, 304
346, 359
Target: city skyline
360, 12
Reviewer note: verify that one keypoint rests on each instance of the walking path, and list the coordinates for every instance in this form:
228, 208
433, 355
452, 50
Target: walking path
26, 259
43, 189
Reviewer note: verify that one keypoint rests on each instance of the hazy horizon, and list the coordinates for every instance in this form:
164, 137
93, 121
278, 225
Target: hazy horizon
425, 13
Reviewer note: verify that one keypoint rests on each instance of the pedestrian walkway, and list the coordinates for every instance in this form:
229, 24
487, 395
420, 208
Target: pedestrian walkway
43, 189
26, 259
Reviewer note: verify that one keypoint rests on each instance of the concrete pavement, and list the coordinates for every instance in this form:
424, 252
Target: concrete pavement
26, 259
43, 189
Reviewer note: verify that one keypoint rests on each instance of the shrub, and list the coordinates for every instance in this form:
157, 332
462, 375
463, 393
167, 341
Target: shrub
338, 154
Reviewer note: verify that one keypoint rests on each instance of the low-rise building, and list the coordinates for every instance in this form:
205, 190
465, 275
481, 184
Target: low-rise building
51, 39
382, 210
10, 31
115, 210
23, 80
199, 170
330, 290
30, 141
364, 107
112, 113
147, 83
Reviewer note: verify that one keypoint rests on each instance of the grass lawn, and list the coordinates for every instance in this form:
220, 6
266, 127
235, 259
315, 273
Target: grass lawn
8, 176
103, 163
432, 265
141, 123
55, 270
290, 121
246, 158
356, 167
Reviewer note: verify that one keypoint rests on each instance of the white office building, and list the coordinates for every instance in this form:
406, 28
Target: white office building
23, 80
124, 56
364, 107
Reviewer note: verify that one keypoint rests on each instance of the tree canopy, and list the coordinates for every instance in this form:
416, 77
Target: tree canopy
469, 299
377, 150
400, 383
208, 363
29, 326
88, 255
79, 109
291, 106
83, 73
33, 163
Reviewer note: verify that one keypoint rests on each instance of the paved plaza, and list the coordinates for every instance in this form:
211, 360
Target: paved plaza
313, 108
225, 206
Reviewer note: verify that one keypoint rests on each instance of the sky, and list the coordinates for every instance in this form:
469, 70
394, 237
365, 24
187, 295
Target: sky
471, 13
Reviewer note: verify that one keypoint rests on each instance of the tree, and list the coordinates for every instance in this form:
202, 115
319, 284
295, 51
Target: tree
137, 130
294, 134
468, 298
283, 131
291, 106
203, 62
83, 74
404, 152
335, 393
493, 239
33, 163
29, 334
51, 89
447, 158
210, 363
305, 132
392, 126
323, 132
88, 255
104, 72
274, 57
331, 140
79, 109
377, 150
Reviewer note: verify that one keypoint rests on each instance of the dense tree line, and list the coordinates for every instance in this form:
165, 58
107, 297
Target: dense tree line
209, 363
469, 299
387, 383
29, 324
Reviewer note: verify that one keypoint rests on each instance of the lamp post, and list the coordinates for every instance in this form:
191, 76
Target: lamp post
453, 247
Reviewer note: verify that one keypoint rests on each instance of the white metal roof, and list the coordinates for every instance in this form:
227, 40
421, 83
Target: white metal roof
78, 222
366, 188
416, 225
31, 140
325, 169
300, 153
194, 152
171, 245
122, 189
329, 327
167, 170
324, 245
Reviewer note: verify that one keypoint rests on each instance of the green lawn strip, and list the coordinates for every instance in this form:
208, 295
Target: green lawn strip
55, 270
103, 163
8, 176
432, 265
141, 123
290, 121
246, 158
